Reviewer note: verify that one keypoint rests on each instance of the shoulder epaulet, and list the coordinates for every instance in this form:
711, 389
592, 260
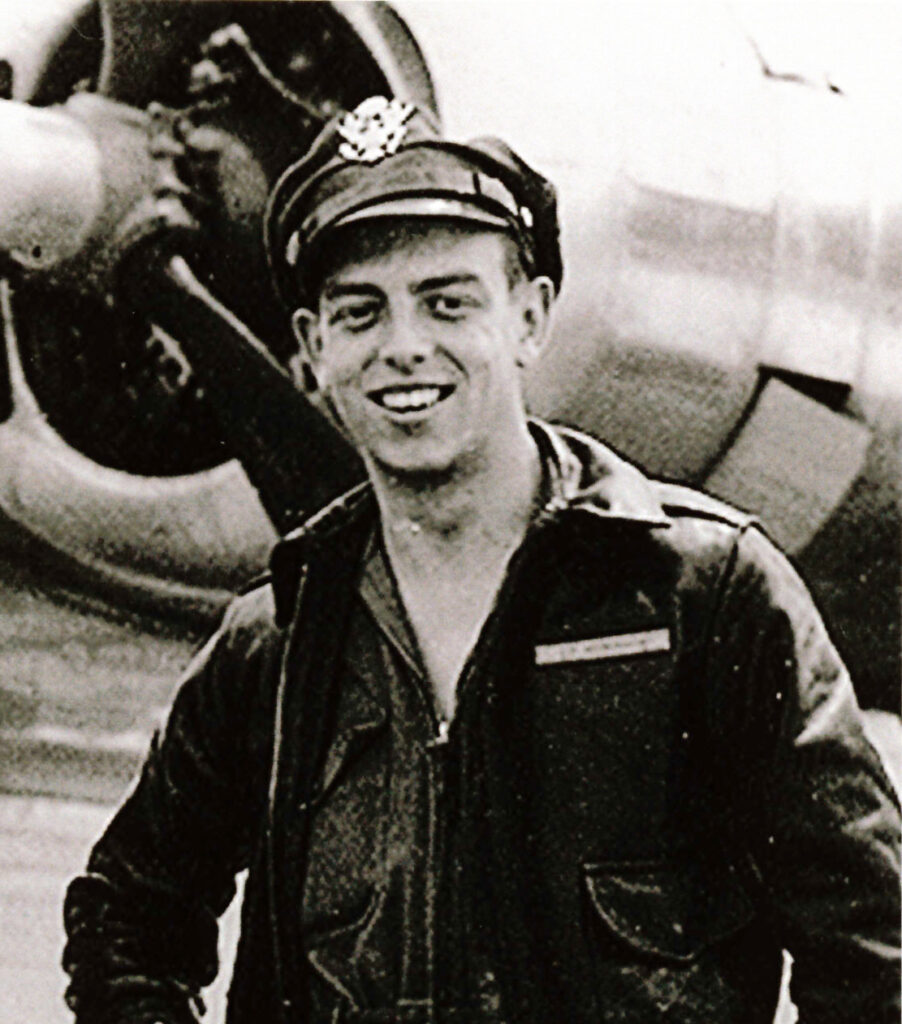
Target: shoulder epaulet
252, 606
678, 500
264, 579
290, 554
331, 516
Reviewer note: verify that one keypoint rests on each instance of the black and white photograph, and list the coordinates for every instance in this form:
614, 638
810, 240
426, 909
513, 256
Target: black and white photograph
450, 512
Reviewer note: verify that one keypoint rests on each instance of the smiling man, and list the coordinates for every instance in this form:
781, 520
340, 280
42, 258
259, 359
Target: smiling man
418, 339
512, 733
418, 342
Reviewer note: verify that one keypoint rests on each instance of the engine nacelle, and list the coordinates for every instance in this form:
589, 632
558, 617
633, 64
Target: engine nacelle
112, 454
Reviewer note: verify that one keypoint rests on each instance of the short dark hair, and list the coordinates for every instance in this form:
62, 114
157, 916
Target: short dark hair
335, 248
514, 266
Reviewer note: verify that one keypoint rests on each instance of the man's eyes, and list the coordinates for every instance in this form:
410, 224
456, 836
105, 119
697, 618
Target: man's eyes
354, 315
362, 314
451, 305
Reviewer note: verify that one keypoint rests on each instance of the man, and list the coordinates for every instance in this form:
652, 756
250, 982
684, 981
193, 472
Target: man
512, 733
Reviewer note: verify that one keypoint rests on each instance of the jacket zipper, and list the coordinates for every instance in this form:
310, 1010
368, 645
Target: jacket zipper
438, 756
437, 750
436, 753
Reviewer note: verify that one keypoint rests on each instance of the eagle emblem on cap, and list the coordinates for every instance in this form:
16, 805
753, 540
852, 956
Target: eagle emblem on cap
374, 129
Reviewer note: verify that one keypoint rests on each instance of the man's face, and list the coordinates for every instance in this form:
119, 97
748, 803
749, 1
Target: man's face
419, 341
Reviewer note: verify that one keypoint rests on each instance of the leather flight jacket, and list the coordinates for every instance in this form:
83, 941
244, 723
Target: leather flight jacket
700, 790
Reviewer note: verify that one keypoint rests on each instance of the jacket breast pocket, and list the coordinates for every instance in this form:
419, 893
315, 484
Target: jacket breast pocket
666, 940
348, 815
609, 728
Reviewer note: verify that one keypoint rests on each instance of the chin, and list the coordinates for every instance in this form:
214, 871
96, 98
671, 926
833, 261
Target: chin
421, 466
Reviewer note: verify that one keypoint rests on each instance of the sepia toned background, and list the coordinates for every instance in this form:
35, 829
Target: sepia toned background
731, 211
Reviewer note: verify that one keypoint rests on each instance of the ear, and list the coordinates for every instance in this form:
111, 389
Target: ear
304, 364
537, 299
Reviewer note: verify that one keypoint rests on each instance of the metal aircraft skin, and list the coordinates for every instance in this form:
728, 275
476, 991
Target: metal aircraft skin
730, 318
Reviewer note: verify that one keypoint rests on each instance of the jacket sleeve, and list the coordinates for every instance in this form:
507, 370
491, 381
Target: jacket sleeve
821, 822
141, 922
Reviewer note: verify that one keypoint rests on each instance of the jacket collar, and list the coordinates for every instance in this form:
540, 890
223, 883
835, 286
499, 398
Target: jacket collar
291, 553
580, 474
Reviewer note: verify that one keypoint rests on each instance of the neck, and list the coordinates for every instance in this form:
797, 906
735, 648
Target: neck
485, 502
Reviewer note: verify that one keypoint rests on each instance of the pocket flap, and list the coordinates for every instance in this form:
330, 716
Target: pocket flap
666, 910
360, 720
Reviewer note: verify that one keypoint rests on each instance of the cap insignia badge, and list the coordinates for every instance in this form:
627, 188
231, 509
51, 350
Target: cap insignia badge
374, 129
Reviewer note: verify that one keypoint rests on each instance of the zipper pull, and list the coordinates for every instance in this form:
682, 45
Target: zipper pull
441, 738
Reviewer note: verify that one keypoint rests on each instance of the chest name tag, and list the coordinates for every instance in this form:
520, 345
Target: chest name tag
620, 645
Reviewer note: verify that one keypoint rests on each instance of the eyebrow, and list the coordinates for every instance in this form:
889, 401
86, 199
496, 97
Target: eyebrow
432, 283
338, 291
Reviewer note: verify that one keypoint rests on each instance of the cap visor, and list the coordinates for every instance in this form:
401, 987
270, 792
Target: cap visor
421, 206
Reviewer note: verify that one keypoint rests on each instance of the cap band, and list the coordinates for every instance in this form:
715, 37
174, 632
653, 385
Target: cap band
384, 159
417, 172
426, 206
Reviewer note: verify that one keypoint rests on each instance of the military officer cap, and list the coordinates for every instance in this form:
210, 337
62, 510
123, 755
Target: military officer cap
386, 159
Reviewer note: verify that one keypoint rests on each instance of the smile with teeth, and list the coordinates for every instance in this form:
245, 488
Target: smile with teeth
411, 397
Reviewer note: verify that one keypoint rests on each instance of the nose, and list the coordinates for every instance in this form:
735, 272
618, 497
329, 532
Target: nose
405, 345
